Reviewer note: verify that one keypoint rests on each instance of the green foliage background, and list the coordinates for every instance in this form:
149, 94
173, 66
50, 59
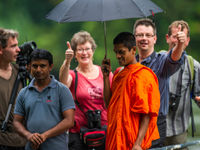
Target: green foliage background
28, 17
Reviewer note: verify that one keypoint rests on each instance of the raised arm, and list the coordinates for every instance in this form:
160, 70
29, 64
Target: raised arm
179, 48
64, 75
106, 69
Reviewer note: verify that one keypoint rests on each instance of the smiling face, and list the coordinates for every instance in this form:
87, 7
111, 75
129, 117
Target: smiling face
124, 55
145, 38
84, 53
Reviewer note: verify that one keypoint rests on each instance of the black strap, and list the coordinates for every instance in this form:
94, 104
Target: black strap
75, 88
192, 119
76, 82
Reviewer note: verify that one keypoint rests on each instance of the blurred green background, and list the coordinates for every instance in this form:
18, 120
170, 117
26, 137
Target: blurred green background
28, 17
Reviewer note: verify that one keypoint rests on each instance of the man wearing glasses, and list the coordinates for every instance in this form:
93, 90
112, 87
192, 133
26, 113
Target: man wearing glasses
163, 64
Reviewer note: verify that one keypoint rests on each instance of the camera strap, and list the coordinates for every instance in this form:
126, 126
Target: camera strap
75, 88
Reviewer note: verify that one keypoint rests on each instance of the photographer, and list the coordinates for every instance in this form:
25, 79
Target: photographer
9, 50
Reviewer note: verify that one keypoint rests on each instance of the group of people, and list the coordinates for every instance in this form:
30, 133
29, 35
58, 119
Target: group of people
145, 103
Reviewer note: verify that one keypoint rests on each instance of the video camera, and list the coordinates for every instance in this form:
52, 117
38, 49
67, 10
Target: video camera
24, 55
23, 59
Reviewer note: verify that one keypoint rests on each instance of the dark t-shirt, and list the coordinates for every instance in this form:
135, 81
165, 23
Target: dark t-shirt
10, 137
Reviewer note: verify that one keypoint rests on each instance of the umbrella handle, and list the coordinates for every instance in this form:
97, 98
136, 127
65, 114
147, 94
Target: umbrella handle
105, 44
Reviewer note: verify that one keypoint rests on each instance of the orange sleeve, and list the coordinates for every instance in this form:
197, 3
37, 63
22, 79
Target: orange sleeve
145, 93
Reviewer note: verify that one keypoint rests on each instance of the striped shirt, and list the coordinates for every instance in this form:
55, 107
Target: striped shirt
180, 84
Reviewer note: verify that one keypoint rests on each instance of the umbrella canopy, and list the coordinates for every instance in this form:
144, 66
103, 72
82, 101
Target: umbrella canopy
102, 10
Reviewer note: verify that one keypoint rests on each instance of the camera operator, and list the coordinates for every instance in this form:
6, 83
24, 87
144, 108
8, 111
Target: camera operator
9, 139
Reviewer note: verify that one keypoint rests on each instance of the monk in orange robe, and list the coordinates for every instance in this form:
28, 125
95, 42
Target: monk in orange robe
133, 101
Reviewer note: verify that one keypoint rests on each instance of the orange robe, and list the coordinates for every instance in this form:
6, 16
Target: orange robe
134, 91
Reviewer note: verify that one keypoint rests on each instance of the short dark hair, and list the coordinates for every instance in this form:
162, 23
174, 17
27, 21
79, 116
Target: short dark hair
146, 22
125, 38
41, 54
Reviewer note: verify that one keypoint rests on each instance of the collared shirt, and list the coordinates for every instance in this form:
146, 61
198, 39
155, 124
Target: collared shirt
163, 66
43, 110
180, 84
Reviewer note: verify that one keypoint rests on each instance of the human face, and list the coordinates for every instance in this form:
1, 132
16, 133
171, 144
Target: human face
84, 53
124, 56
145, 38
11, 51
40, 69
172, 39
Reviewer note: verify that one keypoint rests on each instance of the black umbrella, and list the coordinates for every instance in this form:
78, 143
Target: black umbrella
102, 10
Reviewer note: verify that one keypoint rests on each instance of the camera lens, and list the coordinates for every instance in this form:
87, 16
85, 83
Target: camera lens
98, 118
90, 118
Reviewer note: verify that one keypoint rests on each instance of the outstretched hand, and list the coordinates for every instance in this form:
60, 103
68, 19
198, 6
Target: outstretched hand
69, 53
106, 67
181, 36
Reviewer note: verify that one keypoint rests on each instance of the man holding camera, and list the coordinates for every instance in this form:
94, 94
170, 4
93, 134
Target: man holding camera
9, 139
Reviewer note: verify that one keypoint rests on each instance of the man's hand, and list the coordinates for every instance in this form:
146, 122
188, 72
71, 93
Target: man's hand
137, 147
69, 53
105, 67
197, 98
180, 46
35, 139
181, 36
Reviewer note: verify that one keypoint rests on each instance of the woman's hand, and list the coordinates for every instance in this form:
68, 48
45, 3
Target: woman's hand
69, 53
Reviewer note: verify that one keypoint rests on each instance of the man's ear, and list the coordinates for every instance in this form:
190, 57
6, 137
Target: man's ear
187, 41
134, 49
51, 67
167, 37
1, 50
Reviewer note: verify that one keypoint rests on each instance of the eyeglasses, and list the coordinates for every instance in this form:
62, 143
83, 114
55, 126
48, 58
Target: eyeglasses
82, 50
141, 35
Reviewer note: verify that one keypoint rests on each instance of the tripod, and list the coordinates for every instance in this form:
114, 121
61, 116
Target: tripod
22, 75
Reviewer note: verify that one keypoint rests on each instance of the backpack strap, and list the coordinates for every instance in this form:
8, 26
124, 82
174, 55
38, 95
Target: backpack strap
191, 68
